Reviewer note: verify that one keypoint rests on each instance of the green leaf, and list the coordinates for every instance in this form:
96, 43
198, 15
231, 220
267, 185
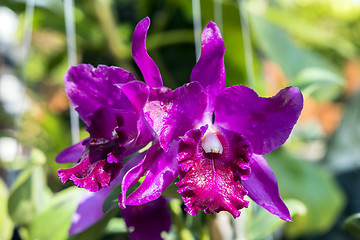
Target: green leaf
101, 227
313, 31
28, 195
279, 47
318, 83
6, 225
264, 223
343, 152
111, 200
116, 225
352, 225
54, 221
310, 184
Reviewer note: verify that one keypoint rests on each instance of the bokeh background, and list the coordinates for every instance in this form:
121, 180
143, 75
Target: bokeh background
270, 44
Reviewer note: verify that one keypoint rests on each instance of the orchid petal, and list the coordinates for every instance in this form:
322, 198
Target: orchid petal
137, 92
209, 71
173, 113
147, 222
90, 88
72, 153
160, 169
147, 66
263, 189
265, 122
91, 175
212, 180
89, 210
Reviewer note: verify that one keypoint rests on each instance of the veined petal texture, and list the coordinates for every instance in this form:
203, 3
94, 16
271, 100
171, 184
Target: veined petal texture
173, 113
212, 181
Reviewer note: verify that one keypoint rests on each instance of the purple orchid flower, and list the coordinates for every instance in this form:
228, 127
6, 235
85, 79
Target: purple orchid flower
164, 108
220, 160
210, 136
110, 101
106, 101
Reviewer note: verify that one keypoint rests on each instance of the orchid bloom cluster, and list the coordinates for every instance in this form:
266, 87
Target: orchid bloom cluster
209, 136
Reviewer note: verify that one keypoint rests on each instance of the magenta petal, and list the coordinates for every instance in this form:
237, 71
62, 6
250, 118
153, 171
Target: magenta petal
159, 168
173, 113
89, 210
263, 189
91, 175
90, 88
209, 71
147, 66
148, 221
212, 181
137, 92
72, 153
265, 122
103, 123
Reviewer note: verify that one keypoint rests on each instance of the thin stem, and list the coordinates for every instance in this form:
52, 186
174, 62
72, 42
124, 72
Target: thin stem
196, 9
218, 15
245, 29
71, 53
25, 49
105, 14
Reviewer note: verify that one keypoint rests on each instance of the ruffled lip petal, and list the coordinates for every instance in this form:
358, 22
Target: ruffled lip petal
73, 153
265, 122
147, 66
212, 181
263, 189
91, 175
147, 222
89, 210
160, 168
209, 71
89, 88
172, 113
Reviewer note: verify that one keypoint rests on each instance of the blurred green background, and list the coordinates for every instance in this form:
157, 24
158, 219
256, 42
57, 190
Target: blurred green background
311, 44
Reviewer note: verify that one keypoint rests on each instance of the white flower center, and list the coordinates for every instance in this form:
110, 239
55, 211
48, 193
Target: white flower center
211, 143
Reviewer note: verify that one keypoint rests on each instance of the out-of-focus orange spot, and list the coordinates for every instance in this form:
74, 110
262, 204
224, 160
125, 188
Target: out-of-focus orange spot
329, 114
275, 78
59, 102
37, 111
49, 42
352, 76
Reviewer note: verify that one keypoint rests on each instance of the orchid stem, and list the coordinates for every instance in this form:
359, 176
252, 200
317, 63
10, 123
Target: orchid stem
196, 10
183, 233
218, 15
71, 53
103, 10
245, 29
